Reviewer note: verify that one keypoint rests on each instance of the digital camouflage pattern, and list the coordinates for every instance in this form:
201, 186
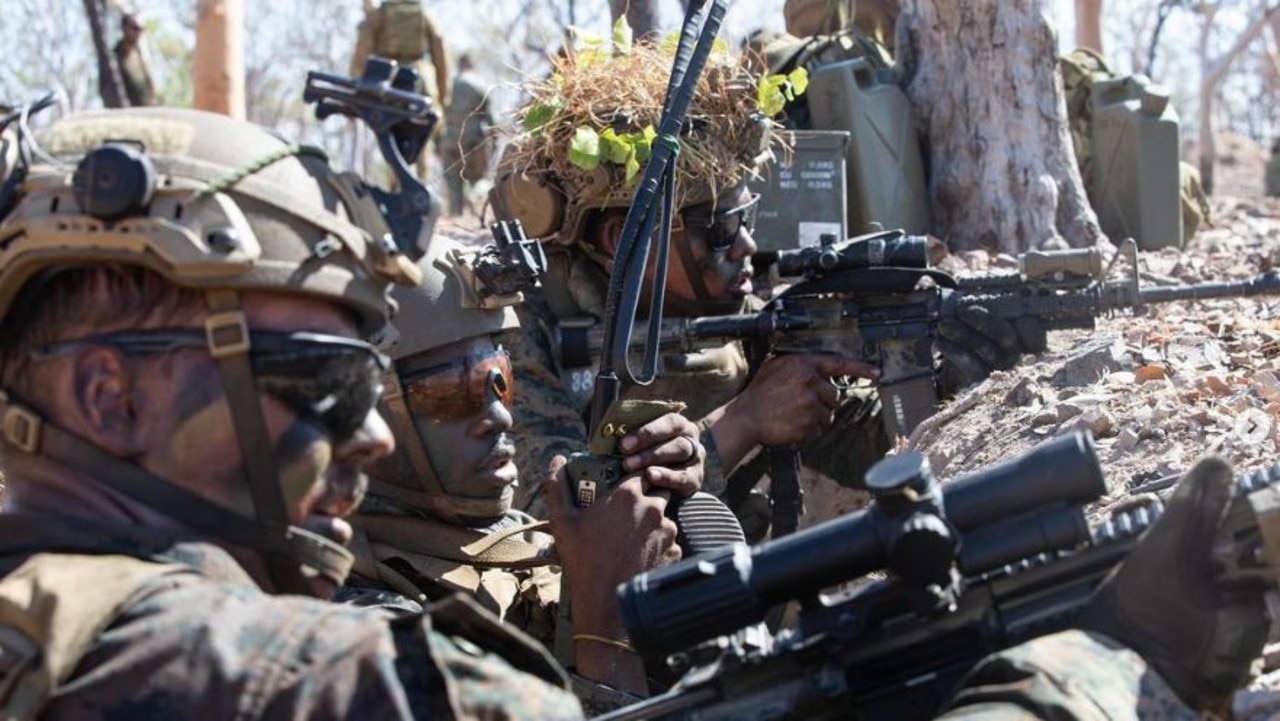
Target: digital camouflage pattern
1071, 675
207, 643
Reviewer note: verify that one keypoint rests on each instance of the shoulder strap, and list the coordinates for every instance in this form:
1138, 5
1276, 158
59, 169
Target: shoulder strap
52, 609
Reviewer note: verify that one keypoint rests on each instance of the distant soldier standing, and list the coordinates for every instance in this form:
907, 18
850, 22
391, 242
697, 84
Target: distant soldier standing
465, 152
401, 30
1273, 171
135, 72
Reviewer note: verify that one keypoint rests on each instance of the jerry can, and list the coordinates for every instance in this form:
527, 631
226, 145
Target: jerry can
1135, 184
885, 170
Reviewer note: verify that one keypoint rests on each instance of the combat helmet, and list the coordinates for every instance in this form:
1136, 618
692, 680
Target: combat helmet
589, 127
218, 206
448, 306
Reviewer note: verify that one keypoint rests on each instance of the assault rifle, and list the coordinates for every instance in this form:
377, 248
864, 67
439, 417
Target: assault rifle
997, 558
875, 298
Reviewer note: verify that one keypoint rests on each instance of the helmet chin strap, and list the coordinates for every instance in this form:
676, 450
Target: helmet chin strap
27, 432
293, 555
434, 498
228, 337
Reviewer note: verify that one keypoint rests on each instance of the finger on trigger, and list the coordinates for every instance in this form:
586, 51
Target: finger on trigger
834, 365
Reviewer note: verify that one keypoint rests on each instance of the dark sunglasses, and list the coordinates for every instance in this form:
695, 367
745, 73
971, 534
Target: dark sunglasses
332, 380
722, 227
460, 388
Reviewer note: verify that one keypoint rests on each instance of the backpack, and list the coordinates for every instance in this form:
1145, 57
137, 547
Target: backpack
1080, 69
401, 33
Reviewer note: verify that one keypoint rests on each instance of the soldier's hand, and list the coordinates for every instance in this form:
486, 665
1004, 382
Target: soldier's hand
1163, 601
975, 342
790, 400
623, 533
666, 453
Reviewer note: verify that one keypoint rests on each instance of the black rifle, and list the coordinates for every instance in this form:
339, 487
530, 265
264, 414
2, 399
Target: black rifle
1000, 557
875, 298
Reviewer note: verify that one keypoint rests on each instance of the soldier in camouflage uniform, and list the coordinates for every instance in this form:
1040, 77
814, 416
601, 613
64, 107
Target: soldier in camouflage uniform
131, 59
438, 517
465, 150
187, 408
790, 401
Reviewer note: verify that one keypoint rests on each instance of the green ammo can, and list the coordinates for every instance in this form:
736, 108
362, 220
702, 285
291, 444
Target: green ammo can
886, 172
802, 191
1135, 184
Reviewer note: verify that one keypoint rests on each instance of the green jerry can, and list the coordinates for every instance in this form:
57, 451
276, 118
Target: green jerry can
883, 162
802, 191
1135, 184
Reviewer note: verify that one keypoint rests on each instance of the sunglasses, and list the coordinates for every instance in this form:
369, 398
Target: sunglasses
722, 227
332, 380
460, 388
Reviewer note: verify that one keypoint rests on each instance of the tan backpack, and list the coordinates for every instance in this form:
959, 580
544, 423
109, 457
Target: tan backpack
401, 32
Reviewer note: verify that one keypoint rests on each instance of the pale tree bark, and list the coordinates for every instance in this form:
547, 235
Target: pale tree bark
1089, 24
984, 81
642, 15
218, 75
1212, 72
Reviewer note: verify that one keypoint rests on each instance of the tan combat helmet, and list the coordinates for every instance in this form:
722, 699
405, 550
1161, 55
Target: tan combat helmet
550, 181
445, 308
216, 205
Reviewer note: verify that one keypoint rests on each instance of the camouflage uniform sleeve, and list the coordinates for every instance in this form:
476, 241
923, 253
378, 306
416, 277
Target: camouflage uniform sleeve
204, 650
1069, 675
548, 421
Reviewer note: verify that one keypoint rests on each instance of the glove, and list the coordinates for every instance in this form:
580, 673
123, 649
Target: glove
973, 343
1163, 601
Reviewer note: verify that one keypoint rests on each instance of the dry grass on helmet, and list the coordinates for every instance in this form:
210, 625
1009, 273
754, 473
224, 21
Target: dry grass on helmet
721, 143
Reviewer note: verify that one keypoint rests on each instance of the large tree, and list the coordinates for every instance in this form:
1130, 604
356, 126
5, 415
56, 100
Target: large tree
982, 75
1089, 24
109, 84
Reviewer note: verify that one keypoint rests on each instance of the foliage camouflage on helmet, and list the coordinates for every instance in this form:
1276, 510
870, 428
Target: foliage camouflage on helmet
234, 208
588, 129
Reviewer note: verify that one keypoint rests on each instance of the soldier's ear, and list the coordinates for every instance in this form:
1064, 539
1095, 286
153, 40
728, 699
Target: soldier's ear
608, 232
103, 384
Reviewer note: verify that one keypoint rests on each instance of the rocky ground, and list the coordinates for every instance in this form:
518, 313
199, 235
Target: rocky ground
1158, 389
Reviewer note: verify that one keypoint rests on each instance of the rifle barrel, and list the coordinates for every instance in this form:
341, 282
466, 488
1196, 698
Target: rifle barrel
1267, 283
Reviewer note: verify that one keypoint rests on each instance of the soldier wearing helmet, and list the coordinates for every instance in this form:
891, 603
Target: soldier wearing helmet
579, 212
188, 404
438, 518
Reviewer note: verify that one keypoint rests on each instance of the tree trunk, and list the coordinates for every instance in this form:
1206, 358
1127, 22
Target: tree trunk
218, 75
1212, 72
109, 85
1089, 24
1002, 173
642, 15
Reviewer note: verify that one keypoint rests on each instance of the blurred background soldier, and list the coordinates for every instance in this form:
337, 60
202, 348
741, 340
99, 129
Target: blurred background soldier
438, 518
465, 151
401, 30
131, 58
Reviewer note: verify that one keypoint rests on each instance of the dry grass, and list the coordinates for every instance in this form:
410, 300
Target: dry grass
720, 143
